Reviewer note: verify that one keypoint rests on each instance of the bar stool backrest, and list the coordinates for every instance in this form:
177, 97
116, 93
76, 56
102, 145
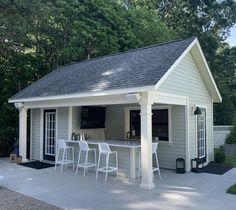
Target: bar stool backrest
83, 145
104, 148
154, 147
61, 143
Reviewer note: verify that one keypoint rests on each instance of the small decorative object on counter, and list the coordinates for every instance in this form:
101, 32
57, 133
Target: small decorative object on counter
128, 135
156, 138
73, 136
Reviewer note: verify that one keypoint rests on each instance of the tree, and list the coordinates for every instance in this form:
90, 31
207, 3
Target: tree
210, 21
37, 36
224, 68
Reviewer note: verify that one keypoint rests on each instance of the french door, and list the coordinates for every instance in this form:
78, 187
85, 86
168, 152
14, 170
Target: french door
49, 134
201, 134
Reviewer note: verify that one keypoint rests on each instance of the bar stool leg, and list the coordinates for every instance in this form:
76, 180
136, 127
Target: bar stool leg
95, 158
63, 158
159, 173
86, 160
73, 156
66, 157
57, 156
107, 162
99, 157
116, 165
139, 163
77, 168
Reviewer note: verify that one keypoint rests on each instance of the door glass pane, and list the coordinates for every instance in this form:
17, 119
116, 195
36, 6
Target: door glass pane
50, 133
201, 134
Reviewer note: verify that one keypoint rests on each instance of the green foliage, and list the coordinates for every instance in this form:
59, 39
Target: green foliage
232, 190
37, 36
223, 69
219, 156
231, 160
210, 21
7, 140
223, 112
231, 138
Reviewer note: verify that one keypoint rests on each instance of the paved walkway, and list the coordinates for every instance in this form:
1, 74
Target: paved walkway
68, 191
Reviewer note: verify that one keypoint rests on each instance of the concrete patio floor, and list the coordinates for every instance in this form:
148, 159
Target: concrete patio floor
68, 191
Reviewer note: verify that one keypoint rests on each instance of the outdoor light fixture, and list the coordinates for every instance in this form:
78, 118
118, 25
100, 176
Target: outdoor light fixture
197, 111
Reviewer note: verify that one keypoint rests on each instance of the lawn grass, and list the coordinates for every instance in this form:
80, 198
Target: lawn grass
232, 190
231, 160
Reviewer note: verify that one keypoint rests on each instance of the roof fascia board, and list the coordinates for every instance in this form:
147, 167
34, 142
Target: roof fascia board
219, 98
87, 94
159, 83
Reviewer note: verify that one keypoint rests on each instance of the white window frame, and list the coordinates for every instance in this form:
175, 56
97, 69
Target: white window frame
127, 120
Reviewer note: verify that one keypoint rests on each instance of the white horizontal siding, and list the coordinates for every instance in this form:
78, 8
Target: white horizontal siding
168, 153
186, 80
62, 123
35, 135
115, 122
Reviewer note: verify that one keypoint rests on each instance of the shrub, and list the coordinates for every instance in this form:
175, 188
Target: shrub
7, 140
219, 156
232, 190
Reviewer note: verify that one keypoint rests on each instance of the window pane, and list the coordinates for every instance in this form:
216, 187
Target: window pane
201, 134
160, 126
135, 123
160, 122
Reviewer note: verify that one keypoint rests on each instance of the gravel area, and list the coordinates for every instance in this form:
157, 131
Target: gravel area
12, 200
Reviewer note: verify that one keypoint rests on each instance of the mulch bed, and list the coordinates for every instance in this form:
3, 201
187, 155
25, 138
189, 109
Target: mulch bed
214, 168
12, 200
37, 164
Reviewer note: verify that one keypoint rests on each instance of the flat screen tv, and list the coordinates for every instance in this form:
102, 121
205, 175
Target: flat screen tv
92, 117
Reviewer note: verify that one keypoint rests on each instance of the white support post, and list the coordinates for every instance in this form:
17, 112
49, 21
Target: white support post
23, 133
187, 143
146, 143
69, 122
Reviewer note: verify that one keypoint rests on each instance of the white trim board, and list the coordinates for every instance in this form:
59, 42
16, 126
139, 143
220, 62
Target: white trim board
167, 98
86, 94
86, 101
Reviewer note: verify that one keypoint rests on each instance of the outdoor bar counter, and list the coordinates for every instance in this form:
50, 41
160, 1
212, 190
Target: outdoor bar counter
128, 153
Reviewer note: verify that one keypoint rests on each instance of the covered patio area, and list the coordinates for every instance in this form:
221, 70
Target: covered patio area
68, 191
117, 124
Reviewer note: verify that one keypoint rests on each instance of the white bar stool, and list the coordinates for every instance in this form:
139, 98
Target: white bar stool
154, 152
83, 145
61, 146
104, 149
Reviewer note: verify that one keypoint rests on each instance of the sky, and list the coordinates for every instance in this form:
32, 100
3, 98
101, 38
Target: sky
232, 38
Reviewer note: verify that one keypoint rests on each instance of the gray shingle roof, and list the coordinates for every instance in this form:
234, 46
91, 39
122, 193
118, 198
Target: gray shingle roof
136, 68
